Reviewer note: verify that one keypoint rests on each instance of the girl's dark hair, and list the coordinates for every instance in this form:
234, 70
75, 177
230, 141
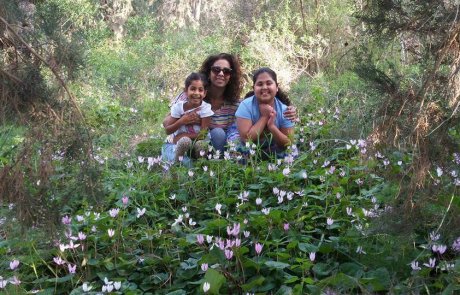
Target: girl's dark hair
232, 91
196, 77
281, 95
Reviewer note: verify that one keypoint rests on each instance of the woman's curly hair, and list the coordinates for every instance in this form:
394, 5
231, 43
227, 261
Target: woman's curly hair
232, 91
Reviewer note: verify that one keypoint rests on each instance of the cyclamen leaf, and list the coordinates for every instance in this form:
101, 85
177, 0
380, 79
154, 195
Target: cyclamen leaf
276, 264
215, 279
257, 281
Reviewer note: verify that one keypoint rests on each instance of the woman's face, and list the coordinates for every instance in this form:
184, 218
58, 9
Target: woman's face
265, 88
220, 73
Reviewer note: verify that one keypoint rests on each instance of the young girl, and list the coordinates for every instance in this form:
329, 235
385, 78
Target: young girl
260, 117
188, 136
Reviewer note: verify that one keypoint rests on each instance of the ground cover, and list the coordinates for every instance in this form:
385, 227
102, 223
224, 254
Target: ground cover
309, 223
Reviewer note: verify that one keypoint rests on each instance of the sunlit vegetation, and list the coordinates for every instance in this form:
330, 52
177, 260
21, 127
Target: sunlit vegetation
366, 202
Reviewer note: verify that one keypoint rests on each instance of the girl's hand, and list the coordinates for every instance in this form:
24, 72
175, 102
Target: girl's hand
271, 120
265, 110
190, 118
291, 114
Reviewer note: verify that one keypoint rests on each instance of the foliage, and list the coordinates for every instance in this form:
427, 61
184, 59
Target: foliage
106, 214
289, 225
419, 80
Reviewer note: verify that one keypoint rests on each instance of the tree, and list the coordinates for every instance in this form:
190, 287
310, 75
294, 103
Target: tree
420, 111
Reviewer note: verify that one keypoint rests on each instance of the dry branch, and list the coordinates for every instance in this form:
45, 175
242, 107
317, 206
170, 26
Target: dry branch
53, 69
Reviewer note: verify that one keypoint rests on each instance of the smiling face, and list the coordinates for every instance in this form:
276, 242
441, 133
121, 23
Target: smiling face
265, 88
195, 93
220, 78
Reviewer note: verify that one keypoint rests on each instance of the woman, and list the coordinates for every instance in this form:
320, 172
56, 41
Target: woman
224, 74
260, 117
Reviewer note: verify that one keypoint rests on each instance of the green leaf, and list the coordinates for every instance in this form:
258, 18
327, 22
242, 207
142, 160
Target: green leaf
62, 279
305, 247
257, 281
378, 280
351, 269
284, 290
177, 292
255, 186
276, 264
215, 279
340, 280
190, 263
322, 269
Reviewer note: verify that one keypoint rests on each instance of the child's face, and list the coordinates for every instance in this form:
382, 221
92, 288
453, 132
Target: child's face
195, 93
265, 88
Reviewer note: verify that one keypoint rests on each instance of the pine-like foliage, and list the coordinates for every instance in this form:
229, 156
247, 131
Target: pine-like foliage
420, 79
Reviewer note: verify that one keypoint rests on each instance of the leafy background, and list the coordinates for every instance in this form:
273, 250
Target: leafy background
367, 204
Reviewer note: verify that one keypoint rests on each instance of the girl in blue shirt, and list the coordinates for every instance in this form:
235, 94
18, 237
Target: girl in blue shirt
260, 119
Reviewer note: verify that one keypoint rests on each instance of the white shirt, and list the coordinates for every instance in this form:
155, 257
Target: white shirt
177, 111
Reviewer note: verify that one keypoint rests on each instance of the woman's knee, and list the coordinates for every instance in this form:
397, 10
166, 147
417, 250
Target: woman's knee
218, 138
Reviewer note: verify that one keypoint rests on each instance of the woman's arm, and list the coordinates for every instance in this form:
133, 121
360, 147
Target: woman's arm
171, 124
205, 122
291, 114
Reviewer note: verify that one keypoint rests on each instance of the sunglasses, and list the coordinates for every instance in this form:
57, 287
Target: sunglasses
216, 70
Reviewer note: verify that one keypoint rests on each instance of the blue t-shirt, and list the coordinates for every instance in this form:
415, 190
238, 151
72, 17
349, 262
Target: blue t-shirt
249, 109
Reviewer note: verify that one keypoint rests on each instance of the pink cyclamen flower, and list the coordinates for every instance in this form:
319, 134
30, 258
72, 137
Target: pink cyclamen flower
237, 242
114, 212
228, 254
286, 226
66, 220
204, 267
312, 256
200, 239
15, 281
72, 268
81, 236
439, 248
258, 247
14, 264
58, 260
125, 200
431, 263
414, 266
3, 283
329, 221
456, 245
233, 231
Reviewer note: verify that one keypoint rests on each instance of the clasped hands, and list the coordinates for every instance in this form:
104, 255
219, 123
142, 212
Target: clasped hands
268, 112
191, 118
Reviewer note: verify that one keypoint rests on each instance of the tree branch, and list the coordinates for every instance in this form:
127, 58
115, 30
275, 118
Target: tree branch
11, 76
53, 69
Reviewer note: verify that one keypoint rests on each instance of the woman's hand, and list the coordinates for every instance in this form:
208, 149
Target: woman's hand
291, 114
